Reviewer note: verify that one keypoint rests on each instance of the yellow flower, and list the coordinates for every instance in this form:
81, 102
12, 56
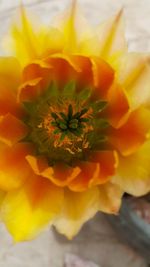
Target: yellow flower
74, 124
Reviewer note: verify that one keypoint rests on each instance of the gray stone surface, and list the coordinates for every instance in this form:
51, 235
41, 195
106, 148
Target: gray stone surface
96, 242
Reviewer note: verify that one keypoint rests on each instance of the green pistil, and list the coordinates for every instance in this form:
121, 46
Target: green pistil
70, 122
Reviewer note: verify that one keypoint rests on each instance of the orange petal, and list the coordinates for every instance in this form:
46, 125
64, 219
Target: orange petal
30, 90
13, 167
85, 74
8, 103
10, 76
64, 68
108, 161
60, 174
89, 176
10, 73
36, 78
37, 69
118, 106
11, 129
133, 133
29, 209
103, 76
101, 167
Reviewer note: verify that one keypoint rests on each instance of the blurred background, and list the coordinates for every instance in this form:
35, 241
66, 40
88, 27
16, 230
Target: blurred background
97, 241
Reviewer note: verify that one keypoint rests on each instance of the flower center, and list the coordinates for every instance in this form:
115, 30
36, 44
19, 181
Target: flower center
68, 126
65, 127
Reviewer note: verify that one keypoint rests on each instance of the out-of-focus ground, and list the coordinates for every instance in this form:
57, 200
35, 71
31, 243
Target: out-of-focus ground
96, 242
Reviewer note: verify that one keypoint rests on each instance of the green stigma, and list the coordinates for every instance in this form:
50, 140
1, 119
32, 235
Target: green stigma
72, 122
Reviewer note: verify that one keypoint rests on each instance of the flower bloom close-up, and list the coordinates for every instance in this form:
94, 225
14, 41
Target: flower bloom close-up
74, 123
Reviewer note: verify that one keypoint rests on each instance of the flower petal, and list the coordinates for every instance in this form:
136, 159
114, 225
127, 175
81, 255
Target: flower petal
102, 165
103, 76
13, 166
111, 37
2, 196
118, 106
26, 211
133, 133
12, 129
108, 161
10, 72
10, 77
90, 174
133, 174
29, 90
133, 77
73, 26
79, 207
36, 69
60, 174
24, 40
110, 196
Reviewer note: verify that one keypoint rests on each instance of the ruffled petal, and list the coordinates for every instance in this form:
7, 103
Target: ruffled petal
60, 174
12, 129
64, 68
14, 169
101, 167
36, 79
89, 175
129, 137
133, 174
29, 90
26, 211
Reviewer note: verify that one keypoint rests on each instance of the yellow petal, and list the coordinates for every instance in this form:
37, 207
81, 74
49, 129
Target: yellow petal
10, 72
110, 196
28, 210
2, 196
30, 39
73, 27
133, 174
134, 76
24, 40
111, 38
14, 169
80, 207
77, 209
